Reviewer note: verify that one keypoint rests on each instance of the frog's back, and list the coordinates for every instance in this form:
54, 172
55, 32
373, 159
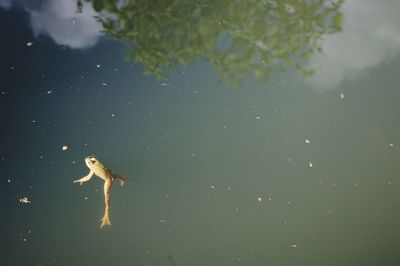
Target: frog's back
102, 171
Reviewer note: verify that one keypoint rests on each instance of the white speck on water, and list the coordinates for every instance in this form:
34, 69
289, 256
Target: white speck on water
342, 95
212, 186
65, 147
29, 44
308, 141
112, 115
258, 117
162, 221
49, 92
24, 200
33, 121
104, 84
86, 198
310, 164
9, 180
164, 136
165, 84
391, 145
259, 199
293, 246
98, 66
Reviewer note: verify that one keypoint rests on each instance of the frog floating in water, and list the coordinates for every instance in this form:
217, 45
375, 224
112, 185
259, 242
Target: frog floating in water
97, 168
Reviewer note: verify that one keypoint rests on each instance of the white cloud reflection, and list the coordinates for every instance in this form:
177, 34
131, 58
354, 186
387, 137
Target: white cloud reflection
58, 20
371, 34
6, 4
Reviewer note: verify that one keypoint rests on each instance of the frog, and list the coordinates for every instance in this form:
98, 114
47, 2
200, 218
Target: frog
97, 168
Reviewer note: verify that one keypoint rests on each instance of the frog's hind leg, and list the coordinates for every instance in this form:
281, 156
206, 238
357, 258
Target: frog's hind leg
120, 178
106, 219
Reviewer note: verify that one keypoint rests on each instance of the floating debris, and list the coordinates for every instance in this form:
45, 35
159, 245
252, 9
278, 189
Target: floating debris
24, 200
310, 164
65, 147
391, 145
104, 84
29, 44
98, 66
293, 246
342, 95
49, 92
308, 141
259, 199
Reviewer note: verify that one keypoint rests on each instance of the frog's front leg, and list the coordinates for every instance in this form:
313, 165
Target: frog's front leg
85, 178
107, 185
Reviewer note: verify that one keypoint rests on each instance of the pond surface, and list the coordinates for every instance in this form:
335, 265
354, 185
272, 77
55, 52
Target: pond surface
283, 171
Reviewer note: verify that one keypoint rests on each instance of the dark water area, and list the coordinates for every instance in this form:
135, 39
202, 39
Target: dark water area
284, 172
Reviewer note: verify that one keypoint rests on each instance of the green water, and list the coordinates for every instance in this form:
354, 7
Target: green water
284, 172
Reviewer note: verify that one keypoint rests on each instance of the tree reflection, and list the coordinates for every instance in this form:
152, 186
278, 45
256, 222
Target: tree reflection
237, 37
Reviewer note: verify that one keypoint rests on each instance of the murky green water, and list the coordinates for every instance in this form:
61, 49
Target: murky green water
282, 172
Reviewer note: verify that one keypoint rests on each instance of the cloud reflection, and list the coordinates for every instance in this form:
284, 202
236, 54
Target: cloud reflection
371, 34
58, 20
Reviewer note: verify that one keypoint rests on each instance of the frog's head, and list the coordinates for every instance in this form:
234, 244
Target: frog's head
90, 160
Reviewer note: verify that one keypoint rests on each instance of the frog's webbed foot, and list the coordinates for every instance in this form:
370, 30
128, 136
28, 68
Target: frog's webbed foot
105, 220
120, 179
